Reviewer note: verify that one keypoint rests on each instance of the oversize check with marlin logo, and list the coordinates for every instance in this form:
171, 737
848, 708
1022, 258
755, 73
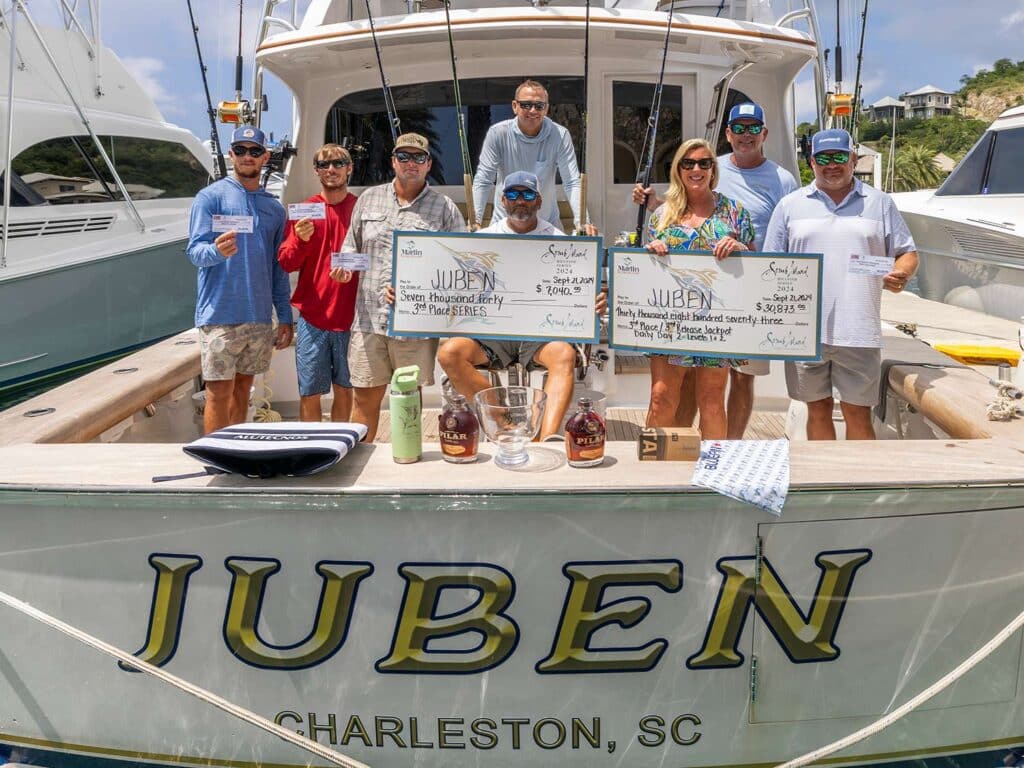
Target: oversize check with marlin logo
747, 306
495, 286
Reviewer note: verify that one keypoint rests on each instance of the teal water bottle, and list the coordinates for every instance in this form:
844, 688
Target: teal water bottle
406, 431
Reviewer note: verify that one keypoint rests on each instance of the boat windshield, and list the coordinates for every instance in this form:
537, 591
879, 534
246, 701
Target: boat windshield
992, 167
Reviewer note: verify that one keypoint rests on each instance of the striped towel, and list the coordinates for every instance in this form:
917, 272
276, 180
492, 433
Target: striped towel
292, 448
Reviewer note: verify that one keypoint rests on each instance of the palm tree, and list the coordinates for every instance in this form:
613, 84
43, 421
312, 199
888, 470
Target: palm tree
916, 169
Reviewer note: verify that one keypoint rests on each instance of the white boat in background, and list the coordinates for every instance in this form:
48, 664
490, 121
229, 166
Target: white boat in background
970, 231
92, 264
436, 615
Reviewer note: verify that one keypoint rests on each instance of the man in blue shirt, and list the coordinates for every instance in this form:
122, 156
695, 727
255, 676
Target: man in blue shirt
867, 247
239, 280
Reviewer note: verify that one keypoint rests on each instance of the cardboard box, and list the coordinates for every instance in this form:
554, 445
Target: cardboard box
668, 444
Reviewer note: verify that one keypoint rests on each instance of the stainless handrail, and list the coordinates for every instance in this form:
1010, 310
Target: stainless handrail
808, 12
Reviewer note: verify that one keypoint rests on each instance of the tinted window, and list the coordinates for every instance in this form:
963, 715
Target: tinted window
70, 169
966, 178
1004, 173
631, 112
359, 121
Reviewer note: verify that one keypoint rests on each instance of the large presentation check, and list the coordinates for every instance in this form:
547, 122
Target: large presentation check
495, 286
747, 306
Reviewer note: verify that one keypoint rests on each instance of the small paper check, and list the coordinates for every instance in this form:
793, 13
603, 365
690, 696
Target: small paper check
314, 211
353, 262
873, 266
240, 224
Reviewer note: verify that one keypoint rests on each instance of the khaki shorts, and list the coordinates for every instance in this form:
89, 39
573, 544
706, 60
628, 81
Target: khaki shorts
756, 367
855, 372
373, 357
504, 353
244, 348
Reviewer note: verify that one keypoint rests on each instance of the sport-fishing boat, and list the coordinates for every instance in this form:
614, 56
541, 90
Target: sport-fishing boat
970, 231
429, 614
92, 260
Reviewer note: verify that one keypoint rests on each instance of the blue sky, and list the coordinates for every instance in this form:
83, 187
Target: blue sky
910, 43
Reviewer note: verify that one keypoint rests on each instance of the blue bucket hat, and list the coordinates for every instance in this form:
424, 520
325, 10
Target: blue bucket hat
748, 110
521, 179
832, 140
249, 133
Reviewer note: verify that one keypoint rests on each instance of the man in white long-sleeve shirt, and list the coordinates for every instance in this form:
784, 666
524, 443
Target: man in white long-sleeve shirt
532, 143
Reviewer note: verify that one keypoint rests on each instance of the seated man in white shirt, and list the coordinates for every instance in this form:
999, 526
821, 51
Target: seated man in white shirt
460, 356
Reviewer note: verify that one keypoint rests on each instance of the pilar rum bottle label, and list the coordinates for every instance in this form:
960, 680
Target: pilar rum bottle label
585, 436
458, 431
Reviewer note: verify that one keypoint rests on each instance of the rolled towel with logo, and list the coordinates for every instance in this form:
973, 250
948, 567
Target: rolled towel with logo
290, 448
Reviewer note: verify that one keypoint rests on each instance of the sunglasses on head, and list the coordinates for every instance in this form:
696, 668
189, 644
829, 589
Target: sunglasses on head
324, 164
540, 106
240, 150
751, 128
705, 163
827, 158
417, 157
514, 194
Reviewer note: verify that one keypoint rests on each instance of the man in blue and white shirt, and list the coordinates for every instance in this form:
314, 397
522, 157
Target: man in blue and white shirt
844, 219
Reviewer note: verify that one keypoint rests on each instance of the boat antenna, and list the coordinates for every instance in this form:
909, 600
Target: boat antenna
389, 101
643, 175
467, 163
584, 216
210, 111
856, 83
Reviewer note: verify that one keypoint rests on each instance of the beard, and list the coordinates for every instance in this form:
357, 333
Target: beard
248, 173
521, 214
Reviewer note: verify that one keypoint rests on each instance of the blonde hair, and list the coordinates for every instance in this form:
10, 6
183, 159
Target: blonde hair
675, 199
331, 152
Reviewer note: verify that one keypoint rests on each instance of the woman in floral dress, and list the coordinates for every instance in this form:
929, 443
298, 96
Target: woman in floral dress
695, 218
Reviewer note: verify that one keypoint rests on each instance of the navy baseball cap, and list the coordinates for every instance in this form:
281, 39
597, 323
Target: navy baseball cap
522, 179
832, 140
748, 110
249, 133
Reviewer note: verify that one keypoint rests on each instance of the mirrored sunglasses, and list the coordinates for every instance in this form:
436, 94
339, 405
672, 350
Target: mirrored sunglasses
540, 106
322, 165
705, 163
240, 150
828, 158
514, 194
416, 157
740, 128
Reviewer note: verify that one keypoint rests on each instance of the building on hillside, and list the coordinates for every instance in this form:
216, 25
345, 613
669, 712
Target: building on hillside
885, 108
928, 102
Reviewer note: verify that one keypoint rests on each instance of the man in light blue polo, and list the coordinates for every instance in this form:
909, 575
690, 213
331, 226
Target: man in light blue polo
533, 143
846, 220
239, 280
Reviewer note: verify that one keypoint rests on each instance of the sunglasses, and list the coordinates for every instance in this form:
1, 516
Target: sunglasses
540, 106
705, 163
322, 165
240, 150
740, 128
827, 158
514, 194
416, 157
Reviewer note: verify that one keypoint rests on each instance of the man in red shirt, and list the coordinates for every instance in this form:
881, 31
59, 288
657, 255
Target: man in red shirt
325, 305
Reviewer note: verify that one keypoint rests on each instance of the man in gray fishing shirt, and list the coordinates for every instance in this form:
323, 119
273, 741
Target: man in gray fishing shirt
529, 142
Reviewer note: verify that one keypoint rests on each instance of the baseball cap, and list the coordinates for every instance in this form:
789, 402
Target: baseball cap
832, 140
748, 110
413, 141
521, 179
249, 133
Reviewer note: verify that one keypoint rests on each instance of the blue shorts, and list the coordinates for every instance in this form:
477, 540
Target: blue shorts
321, 357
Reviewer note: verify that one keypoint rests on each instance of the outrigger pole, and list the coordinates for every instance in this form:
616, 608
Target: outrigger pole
584, 217
214, 138
643, 176
389, 101
467, 163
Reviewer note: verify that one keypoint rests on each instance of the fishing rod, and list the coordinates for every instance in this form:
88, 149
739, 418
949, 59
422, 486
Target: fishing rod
467, 163
210, 111
856, 83
643, 176
584, 217
389, 100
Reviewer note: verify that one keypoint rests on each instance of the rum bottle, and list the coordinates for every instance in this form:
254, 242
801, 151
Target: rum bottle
458, 431
585, 435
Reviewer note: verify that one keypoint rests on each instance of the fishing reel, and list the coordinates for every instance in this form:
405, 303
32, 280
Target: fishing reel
356, 150
280, 154
235, 112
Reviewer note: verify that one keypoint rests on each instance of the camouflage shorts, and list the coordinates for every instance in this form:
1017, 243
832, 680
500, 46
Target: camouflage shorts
229, 349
